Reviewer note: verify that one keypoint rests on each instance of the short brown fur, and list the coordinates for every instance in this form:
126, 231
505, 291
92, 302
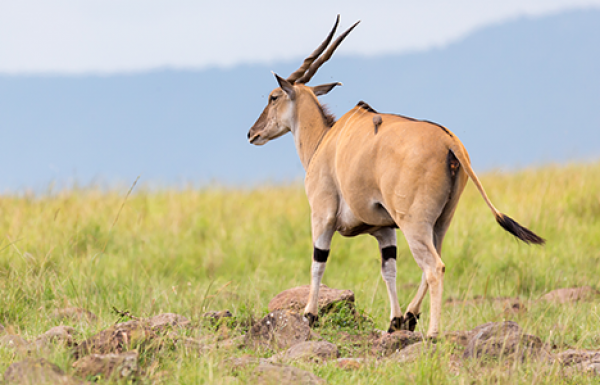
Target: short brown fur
410, 176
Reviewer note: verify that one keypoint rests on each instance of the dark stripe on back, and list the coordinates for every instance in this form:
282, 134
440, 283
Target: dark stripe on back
439, 125
320, 255
407, 118
366, 107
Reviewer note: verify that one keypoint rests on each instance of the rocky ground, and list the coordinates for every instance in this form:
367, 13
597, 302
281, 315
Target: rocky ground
128, 350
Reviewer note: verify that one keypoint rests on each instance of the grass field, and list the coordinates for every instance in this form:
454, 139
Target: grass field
191, 251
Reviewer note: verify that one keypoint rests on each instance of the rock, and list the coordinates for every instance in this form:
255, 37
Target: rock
231, 343
114, 366
191, 343
297, 298
316, 351
349, 363
217, 315
57, 335
119, 338
279, 330
503, 340
243, 361
413, 352
573, 294
13, 341
390, 343
458, 337
454, 364
168, 320
587, 361
38, 371
74, 314
281, 374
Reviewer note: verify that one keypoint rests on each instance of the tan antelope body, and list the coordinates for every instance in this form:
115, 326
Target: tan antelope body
371, 173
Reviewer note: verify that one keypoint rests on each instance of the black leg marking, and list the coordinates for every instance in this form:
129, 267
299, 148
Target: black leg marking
387, 253
396, 324
410, 321
320, 255
311, 319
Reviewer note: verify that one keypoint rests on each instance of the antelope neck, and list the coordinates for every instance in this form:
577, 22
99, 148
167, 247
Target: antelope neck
309, 132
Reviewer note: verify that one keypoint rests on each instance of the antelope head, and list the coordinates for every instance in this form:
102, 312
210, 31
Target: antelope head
280, 114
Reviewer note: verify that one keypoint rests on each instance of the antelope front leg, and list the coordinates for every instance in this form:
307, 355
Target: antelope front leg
386, 237
322, 234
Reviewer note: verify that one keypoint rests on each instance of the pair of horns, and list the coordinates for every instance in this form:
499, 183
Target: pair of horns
312, 63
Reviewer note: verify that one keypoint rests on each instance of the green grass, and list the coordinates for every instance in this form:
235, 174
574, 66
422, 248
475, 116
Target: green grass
192, 251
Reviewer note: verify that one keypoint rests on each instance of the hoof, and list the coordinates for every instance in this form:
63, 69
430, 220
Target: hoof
410, 321
396, 324
311, 319
432, 338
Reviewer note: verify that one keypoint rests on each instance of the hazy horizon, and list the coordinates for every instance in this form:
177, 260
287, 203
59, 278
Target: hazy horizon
517, 94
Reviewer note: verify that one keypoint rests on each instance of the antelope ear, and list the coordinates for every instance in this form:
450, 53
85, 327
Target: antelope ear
324, 88
286, 86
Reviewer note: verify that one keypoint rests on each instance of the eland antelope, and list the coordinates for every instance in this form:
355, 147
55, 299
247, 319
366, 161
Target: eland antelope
371, 173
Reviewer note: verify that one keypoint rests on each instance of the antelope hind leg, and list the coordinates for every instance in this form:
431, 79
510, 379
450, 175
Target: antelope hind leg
386, 237
428, 259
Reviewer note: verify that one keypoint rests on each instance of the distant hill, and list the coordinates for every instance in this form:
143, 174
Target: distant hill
517, 94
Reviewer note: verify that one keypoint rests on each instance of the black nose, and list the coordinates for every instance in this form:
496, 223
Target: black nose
248, 134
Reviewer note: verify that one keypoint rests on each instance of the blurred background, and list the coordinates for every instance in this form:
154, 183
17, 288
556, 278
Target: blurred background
99, 92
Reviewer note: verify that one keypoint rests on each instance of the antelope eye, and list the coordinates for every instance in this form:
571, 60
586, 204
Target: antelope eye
273, 98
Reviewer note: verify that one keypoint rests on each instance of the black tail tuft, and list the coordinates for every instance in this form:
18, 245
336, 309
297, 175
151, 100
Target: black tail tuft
519, 231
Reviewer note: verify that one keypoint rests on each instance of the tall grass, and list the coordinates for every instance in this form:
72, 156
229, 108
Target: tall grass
195, 250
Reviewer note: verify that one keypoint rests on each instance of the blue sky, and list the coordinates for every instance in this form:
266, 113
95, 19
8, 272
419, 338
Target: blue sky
104, 92
113, 36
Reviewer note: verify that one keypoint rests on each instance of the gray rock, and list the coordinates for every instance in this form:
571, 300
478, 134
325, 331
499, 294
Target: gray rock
587, 361
119, 338
168, 320
114, 366
280, 329
413, 352
192, 343
13, 341
74, 314
297, 298
458, 337
281, 374
241, 362
455, 364
217, 315
350, 363
57, 335
231, 343
572, 294
390, 343
316, 351
38, 371
503, 340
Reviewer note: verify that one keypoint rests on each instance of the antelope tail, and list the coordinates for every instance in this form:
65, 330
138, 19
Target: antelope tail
507, 223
